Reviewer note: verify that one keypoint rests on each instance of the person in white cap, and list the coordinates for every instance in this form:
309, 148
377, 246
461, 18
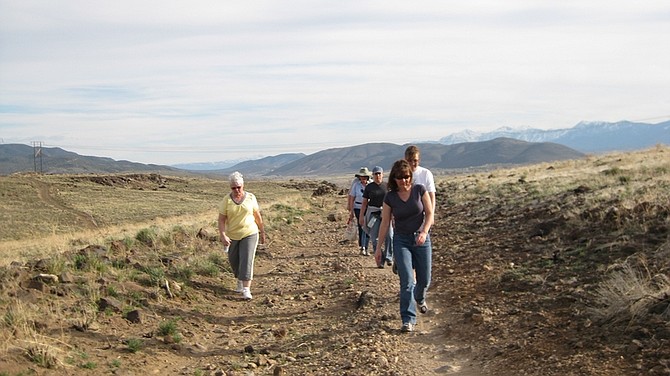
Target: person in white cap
354, 206
373, 199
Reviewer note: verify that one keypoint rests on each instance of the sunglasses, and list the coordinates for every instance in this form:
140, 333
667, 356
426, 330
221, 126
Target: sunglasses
404, 177
236, 188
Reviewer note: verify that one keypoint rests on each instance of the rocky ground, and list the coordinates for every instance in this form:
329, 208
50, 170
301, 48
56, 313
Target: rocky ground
513, 289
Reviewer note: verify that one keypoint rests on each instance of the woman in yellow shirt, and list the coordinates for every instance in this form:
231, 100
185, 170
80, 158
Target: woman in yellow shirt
240, 230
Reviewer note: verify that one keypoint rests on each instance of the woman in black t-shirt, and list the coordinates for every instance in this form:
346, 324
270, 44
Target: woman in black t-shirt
411, 208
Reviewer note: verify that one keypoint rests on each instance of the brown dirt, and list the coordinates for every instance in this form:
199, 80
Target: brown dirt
511, 293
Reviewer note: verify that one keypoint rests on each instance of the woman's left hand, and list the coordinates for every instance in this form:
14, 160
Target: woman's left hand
421, 238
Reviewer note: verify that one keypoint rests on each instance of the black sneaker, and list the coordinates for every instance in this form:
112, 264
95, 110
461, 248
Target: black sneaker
389, 262
395, 268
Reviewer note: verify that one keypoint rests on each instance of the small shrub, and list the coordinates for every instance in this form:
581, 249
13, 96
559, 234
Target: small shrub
147, 236
282, 213
134, 345
166, 239
184, 273
136, 296
614, 171
128, 242
207, 268
628, 294
119, 264
18, 318
111, 291
156, 274
56, 265
167, 328
217, 259
43, 355
89, 365
87, 263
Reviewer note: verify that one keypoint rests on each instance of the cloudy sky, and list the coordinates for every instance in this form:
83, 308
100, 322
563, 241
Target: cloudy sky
208, 80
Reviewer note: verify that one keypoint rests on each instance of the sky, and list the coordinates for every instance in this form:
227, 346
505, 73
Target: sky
171, 82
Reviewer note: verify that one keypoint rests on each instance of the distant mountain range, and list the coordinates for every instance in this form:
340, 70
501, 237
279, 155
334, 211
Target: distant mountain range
331, 162
505, 146
501, 151
587, 137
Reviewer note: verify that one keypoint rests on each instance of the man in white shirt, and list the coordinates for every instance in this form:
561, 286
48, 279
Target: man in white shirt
420, 175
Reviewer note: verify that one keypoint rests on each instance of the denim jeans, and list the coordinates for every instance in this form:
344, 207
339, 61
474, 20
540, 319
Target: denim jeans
410, 257
387, 251
362, 235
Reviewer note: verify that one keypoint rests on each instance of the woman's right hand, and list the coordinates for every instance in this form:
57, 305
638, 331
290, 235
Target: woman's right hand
378, 256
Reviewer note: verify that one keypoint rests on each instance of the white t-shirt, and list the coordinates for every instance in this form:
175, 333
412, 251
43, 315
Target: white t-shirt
423, 176
356, 191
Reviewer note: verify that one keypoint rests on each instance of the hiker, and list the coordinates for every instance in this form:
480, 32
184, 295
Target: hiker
421, 175
354, 206
412, 211
241, 229
371, 214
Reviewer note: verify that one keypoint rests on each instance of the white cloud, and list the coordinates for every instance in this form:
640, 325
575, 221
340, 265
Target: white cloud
172, 78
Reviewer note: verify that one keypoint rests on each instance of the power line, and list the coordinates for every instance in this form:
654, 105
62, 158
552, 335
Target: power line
37, 155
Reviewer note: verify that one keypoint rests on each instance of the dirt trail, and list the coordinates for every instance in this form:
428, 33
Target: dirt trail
320, 268
44, 193
307, 317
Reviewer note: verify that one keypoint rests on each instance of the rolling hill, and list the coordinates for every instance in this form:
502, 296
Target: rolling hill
336, 161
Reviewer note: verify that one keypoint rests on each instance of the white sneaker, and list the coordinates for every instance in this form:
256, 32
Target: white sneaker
407, 327
246, 293
240, 287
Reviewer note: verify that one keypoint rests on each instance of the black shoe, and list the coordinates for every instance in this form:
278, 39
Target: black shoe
395, 268
389, 262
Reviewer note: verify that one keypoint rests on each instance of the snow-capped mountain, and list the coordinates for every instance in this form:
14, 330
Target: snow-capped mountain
585, 136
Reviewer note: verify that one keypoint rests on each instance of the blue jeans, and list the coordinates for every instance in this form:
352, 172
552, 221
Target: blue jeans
410, 257
387, 251
362, 236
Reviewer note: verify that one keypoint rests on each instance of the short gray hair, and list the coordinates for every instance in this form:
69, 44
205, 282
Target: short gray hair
236, 179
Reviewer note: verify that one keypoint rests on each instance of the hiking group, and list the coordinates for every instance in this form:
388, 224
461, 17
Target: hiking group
394, 216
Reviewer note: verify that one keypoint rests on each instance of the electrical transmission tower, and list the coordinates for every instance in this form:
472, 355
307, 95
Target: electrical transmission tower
37, 154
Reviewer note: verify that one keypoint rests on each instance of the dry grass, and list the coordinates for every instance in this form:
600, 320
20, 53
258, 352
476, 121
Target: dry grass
626, 200
630, 293
20, 332
47, 215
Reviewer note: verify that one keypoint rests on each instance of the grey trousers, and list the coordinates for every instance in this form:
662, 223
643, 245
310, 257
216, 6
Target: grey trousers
241, 255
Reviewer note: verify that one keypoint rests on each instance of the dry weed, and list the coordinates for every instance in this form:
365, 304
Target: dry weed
629, 293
